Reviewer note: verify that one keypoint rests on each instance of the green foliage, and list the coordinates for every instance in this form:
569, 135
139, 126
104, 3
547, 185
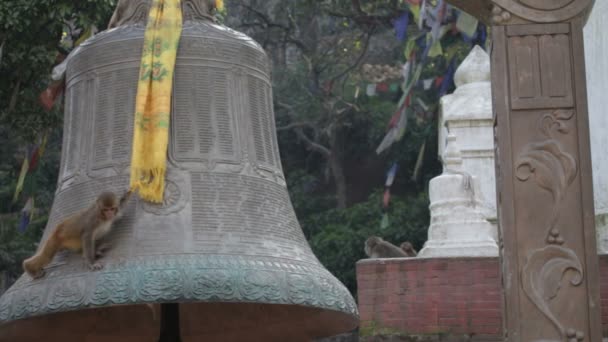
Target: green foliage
31, 34
337, 236
16, 246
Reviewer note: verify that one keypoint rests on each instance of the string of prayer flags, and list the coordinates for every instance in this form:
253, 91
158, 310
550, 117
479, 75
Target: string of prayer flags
400, 25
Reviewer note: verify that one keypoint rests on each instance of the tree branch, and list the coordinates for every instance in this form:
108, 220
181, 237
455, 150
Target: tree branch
297, 128
296, 125
359, 59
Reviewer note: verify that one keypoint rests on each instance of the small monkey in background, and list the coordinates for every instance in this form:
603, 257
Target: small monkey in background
375, 247
79, 232
408, 248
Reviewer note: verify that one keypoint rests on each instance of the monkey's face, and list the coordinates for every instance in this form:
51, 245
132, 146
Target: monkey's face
370, 244
108, 206
108, 213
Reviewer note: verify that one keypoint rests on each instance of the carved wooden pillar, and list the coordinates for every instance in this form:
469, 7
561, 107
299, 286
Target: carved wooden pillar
543, 168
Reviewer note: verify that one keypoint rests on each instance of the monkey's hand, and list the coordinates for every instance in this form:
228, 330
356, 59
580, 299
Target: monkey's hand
124, 199
96, 266
39, 275
126, 195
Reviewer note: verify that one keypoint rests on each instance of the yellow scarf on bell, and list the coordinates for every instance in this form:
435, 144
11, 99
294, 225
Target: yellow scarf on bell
153, 100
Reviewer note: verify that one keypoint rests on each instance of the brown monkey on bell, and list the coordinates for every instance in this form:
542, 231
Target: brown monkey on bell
375, 247
80, 232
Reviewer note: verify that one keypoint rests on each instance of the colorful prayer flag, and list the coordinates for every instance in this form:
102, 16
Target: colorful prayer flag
49, 96
26, 215
415, 9
382, 87
385, 222
386, 199
467, 24
419, 162
401, 26
435, 49
370, 90
22, 174
390, 176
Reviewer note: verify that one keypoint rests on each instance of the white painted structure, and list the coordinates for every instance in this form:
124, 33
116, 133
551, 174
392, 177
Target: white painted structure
463, 221
459, 227
467, 113
596, 58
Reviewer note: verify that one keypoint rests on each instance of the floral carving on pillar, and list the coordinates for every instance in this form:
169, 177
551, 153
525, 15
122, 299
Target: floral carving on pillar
547, 163
553, 170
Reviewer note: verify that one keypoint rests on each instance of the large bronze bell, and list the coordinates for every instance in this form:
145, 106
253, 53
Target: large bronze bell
223, 258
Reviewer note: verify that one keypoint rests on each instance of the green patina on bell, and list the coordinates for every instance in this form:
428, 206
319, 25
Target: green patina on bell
225, 244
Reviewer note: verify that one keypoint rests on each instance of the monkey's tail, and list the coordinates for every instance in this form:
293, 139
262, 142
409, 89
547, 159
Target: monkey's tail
33, 265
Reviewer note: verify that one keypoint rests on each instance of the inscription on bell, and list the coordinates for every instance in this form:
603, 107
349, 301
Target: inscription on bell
113, 124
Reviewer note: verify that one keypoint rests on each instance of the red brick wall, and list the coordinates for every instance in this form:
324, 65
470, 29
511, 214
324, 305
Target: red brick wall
604, 292
452, 296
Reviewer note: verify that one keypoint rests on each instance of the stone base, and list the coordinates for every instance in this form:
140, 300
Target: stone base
443, 297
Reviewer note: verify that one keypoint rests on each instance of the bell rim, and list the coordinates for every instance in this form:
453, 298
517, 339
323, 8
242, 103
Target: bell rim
179, 278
